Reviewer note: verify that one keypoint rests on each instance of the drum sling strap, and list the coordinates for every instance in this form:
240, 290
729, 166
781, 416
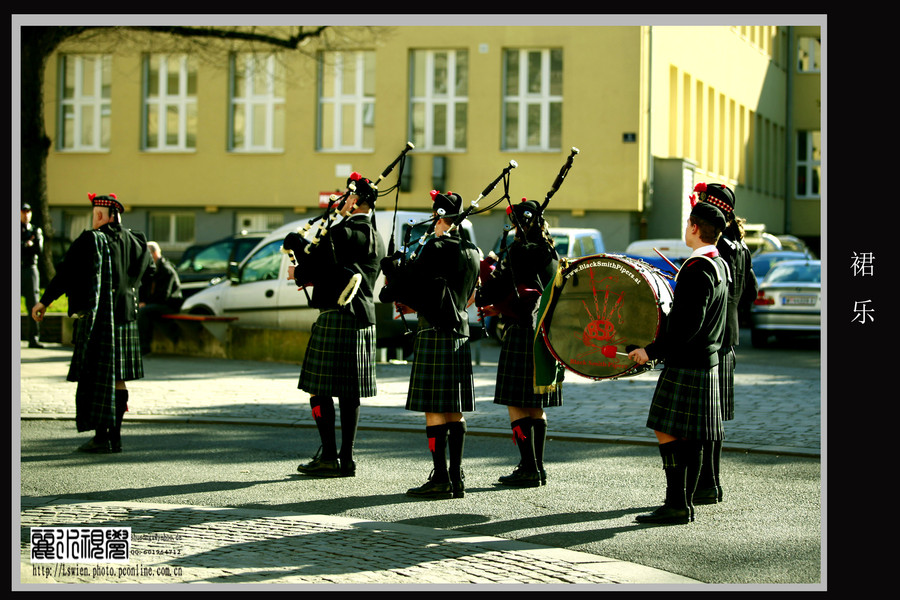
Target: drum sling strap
548, 373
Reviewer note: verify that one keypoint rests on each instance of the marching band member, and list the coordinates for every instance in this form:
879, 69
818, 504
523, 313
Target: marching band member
513, 289
742, 290
686, 410
340, 357
101, 274
438, 284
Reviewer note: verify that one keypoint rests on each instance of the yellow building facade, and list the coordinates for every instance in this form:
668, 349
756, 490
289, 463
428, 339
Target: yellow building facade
201, 145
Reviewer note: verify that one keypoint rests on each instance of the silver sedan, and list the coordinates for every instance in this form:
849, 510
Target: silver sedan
789, 301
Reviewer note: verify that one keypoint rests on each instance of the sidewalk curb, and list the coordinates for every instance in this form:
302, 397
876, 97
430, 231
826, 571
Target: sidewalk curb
565, 437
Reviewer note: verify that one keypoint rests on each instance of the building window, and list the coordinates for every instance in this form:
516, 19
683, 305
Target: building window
532, 99
257, 103
170, 102
439, 80
266, 221
172, 231
346, 101
809, 157
85, 104
809, 55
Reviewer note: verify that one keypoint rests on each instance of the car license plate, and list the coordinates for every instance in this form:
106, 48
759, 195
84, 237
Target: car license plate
799, 300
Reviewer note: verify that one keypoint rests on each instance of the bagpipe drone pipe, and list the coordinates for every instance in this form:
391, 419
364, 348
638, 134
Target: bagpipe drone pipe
315, 261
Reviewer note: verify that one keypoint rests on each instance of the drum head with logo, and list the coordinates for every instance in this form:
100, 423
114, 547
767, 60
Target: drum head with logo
604, 305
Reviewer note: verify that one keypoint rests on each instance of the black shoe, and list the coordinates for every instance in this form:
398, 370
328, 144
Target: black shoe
667, 515
459, 486
522, 478
709, 495
432, 490
95, 446
320, 467
348, 467
35, 345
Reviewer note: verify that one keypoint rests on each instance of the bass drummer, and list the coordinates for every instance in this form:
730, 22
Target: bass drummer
513, 290
686, 406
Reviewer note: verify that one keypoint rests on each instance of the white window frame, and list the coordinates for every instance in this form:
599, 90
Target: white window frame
809, 49
181, 102
810, 165
84, 101
268, 99
362, 105
432, 99
524, 99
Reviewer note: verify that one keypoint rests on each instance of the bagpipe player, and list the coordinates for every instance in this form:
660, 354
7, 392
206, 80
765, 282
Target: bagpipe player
341, 265
439, 284
512, 288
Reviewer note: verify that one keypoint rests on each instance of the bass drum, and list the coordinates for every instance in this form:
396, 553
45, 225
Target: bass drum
601, 305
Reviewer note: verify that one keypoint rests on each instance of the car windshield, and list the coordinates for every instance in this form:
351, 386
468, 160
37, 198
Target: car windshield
799, 273
562, 244
213, 258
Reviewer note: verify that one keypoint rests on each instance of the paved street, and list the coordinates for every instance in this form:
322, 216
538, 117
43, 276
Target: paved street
229, 533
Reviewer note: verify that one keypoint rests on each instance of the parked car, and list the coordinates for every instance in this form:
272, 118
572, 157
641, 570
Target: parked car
205, 264
789, 301
258, 292
570, 242
674, 249
792, 242
763, 262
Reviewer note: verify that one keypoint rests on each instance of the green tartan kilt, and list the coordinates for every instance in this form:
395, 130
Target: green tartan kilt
340, 358
726, 380
128, 364
515, 372
686, 404
441, 380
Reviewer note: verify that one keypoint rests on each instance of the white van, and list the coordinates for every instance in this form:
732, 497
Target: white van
571, 242
260, 295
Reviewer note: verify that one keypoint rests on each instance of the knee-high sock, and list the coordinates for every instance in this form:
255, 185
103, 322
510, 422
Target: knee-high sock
437, 444
709, 472
349, 424
523, 436
456, 441
115, 432
323, 414
539, 426
674, 468
691, 454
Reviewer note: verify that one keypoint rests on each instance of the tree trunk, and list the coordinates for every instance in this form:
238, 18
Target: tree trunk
37, 44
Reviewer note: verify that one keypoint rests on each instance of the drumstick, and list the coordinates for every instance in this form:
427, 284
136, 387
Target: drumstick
666, 259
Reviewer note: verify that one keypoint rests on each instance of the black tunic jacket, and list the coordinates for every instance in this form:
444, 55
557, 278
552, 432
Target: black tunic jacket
351, 246
438, 283
130, 260
742, 288
695, 326
526, 265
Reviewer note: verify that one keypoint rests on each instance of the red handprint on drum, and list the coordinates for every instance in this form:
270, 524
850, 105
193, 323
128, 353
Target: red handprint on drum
600, 328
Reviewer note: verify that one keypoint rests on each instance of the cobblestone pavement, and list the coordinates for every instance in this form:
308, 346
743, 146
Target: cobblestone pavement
778, 406
195, 544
